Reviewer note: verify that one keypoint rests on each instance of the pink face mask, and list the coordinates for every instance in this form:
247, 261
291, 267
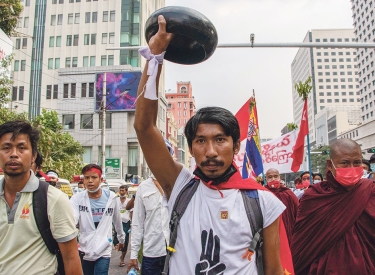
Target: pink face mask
305, 183
348, 176
273, 184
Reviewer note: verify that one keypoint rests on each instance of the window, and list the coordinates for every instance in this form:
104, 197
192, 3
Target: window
93, 39
91, 89
326, 67
61, 1
20, 92
104, 60
73, 90
329, 100
59, 19
110, 60
85, 61
18, 43
87, 17
92, 61
104, 38
333, 60
321, 100
16, 65
67, 62
23, 65
351, 100
321, 94
51, 41
325, 53
87, 121
76, 18
94, 17
50, 63
14, 94
57, 63
66, 91
132, 160
49, 92
86, 39
320, 73
53, 19
321, 87
75, 62
337, 100
333, 53
105, 16
83, 90
55, 91
320, 67
70, 18
68, 40
108, 121
112, 16
318, 54
27, 3
68, 122
58, 41
26, 22
331, 40
111, 38
75, 40
334, 67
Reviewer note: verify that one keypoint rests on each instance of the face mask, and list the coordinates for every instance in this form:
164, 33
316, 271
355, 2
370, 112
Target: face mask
80, 190
365, 172
372, 166
348, 176
94, 191
305, 183
316, 181
273, 184
123, 196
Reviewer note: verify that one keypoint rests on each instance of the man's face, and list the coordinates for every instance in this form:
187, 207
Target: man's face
123, 191
344, 158
16, 155
81, 185
53, 179
272, 175
91, 180
365, 167
213, 150
305, 177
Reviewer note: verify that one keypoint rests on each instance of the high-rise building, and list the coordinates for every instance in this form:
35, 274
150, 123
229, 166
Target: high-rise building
333, 72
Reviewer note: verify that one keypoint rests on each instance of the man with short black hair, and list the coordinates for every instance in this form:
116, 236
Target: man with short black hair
23, 250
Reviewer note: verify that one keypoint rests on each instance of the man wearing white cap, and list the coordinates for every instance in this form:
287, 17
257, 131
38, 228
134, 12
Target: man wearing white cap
54, 177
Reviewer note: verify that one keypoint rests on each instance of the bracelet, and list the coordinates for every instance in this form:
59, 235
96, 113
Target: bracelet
152, 71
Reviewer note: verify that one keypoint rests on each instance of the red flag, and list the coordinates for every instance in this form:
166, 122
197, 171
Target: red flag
243, 119
299, 148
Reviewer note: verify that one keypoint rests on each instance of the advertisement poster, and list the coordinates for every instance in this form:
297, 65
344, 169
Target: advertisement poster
113, 168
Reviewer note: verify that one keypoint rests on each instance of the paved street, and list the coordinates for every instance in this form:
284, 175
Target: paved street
114, 269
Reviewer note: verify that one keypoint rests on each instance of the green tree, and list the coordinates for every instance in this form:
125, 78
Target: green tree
5, 79
303, 88
292, 126
319, 161
59, 149
10, 10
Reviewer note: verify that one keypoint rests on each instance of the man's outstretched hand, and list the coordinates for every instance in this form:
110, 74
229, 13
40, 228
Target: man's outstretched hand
160, 41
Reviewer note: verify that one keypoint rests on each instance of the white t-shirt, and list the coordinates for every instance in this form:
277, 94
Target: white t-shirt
218, 225
125, 214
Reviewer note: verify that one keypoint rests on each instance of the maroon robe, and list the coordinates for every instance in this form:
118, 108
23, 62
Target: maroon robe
290, 200
334, 231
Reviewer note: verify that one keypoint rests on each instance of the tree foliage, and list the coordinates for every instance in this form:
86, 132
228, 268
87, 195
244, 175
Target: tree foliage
319, 161
292, 126
10, 10
5, 79
303, 88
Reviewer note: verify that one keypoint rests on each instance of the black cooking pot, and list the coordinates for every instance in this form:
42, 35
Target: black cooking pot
195, 37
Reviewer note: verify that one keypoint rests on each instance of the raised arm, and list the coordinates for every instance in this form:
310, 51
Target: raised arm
162, 165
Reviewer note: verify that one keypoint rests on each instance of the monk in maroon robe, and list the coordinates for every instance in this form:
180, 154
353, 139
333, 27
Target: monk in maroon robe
286, 196
334, 231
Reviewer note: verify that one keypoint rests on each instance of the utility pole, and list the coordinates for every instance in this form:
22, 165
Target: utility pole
104, 107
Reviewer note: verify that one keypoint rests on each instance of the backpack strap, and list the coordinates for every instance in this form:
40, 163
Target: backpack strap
43, 224
179, 207
255, 217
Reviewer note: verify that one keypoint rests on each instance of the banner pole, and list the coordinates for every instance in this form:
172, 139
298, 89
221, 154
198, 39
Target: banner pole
309, 156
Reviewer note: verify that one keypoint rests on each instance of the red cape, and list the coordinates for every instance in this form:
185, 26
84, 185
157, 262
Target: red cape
334, 231
290, 200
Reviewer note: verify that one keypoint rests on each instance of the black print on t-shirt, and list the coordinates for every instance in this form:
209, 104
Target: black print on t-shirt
210, 257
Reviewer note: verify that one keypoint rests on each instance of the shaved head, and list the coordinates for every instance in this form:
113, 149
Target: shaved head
272, 170
272, 174
343, 145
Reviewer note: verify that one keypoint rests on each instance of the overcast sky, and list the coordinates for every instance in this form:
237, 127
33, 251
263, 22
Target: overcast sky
229, 76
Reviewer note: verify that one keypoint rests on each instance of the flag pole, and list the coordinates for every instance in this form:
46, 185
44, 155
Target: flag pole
309, 152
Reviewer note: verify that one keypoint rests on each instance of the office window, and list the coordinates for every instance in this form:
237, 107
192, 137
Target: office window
75, 40
104, 60
317, 40
14, 93
76, 18
27, 3
321, 100
92, 61
344, 100
26, 22
320, 73
55, 91
336, 93
325, 53
70, 18
108, 121
94, 17
321, 87
343, 93
59, 19
73, 90
51, 41
104, 38
87, 121
334, 67
333, 60
16, 65
318, 54
333, 53
321, 94
320, 67
342, 79
50, 63
57, 63
105, 16
53, 19
111, 38
19, 22
329, 93
337, 100
20, 92
328, 87
93, 39
86, 39
91, 89
75, 62
23, 65
68, 40
68, 122
85, 61
351, 100
110, 60
83, 89
66, 91
112, 16
326, 67
58, 41
67, 62
61, 1
329, 100
54, 1
18, 43
87, 17
49, 92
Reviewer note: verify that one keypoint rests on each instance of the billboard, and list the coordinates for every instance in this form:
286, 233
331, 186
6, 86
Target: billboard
113, 168
121, 90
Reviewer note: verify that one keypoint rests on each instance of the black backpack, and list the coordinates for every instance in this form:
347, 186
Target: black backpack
253, 212
42, 222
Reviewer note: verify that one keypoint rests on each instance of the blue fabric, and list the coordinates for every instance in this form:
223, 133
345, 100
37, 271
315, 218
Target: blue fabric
98, 267
152, 266
252, 194
98, 206
253, 158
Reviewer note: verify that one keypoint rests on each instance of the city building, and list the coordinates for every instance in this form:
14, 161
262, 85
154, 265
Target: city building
172, 133
181, 103
334, 75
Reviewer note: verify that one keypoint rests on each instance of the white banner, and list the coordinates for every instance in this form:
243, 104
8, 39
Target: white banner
276, 153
